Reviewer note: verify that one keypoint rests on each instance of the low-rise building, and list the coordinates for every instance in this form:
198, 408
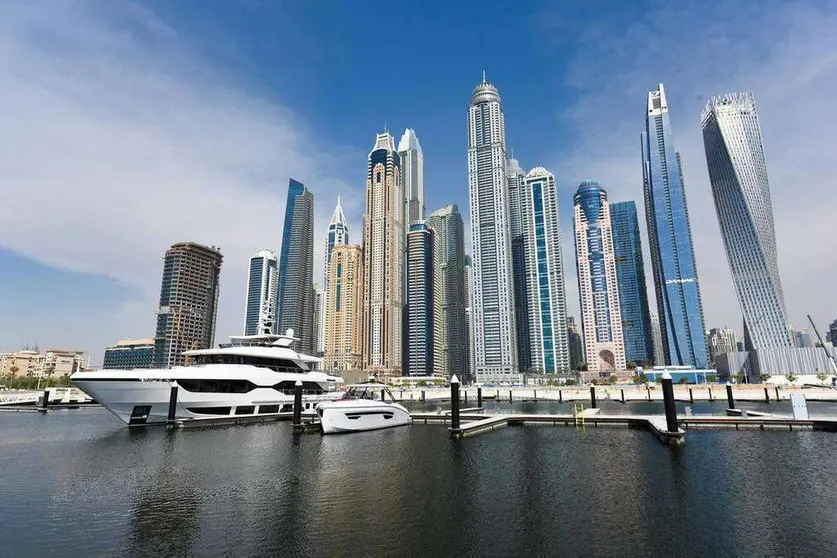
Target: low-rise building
128, 354
33, 363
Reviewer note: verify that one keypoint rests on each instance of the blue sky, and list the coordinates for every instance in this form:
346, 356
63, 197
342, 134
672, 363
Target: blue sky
129, 126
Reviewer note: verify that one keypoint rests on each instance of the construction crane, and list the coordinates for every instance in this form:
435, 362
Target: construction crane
830, 356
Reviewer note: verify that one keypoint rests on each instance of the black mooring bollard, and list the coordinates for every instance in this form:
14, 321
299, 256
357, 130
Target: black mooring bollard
777, 393
668, 403
623, 395
510, 396
466, 395
298, 403
710, 395
593, 396
535, 391
766, 396
560, 397
730, 400
172, 403
479, 397
691, 397
422, 396
454, 404
46, 398
383, 393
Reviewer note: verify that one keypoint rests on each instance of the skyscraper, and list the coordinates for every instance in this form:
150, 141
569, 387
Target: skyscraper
383, 252
319, 319
188, 302
657, 340
424, 327
493, 312
597, 282
338, 233
412, 177
450, 243
296, 267
720, 342
514, 179
630, 277
468, 264
676, 284
738, 174
262, 287
576, 346
540, 224
344, 310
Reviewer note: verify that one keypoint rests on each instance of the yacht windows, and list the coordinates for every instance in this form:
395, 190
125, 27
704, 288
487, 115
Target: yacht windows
245, 409
277, 365
210, 410
217, 386
308, 388
268, 409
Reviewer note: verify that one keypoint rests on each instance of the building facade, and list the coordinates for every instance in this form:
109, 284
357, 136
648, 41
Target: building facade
679, 304
412, 177
597, 281
338, 233
188, 302
545, 294
738, 175
514, 178
657, 340
383, 251
468, 264
424, 331
450, 243
319, 320
262, 289
630, 277
34, 364
128, 354
493, 310
344, 310
296, 267
576, 345
720, 341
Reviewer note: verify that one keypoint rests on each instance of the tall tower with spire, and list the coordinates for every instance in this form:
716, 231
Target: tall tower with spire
412, 177
338, 233
495, 338
383, 254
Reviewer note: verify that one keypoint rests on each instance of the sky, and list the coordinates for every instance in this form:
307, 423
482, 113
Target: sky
131, 125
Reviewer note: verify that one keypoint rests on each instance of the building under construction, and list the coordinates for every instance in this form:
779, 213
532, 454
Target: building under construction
188, 302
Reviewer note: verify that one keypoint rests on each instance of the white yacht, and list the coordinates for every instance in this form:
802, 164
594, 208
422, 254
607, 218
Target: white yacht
250, 376
362, 407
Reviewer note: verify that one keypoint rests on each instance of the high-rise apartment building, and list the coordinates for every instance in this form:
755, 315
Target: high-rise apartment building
424, 330
338, 233
657, 340
468, 264
514, 179
344, 310
575, 343
597, 281
493, 311
720, 342
383, 251
545, 297
128, 354
738, 174
296, 267
262, 289
450, 244
412, 177
319, 319
630, 277
188, 302
676, 284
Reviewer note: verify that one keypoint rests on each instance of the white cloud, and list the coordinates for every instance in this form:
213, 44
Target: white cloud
119, 141
783, 52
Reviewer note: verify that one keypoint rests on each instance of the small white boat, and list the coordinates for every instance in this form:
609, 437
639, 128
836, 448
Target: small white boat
362, 407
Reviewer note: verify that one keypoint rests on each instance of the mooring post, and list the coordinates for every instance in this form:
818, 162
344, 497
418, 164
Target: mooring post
691, 397
422, 396
479, 397
465, 391
46, 398
535, 391
777, 393
560, 397
172, 403
730, 400
383, 393
710, 395
668, 402
648, 392
766, 396
593, 396
454, 405
623, 395
510, 396
297, 404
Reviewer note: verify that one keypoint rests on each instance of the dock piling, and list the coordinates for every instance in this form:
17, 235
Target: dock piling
730, 399
668, 403
46, 398
535, 392
560, 397
297, 405
593, 396
510, 396
479, 396
172, 403
777, 393
454, 406
710, 395
691, 397
623, 395
766, 396
422, 396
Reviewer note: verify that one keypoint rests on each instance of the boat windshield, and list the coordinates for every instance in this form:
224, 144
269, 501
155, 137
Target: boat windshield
363, 392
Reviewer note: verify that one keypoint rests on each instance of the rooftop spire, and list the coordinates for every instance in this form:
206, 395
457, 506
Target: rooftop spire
483, 77
337, 217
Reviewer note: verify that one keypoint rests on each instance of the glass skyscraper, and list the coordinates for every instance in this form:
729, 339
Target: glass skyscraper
630, 274
412, 177
514, 177
493, 311
262, 289
338, 233
670, 237
296, 267
738, 174
423, 326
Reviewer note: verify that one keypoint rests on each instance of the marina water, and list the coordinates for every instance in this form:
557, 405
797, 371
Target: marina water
77, 482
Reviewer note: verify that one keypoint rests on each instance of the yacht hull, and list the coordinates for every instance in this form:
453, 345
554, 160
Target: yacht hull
354, 416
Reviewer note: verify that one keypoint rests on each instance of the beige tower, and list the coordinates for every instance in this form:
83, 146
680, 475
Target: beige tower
383, 251
344, 310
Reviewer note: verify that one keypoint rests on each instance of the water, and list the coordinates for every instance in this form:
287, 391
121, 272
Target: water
77, 482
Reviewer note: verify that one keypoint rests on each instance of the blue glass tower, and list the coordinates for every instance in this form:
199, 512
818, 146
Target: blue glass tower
630, 275
670, 238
